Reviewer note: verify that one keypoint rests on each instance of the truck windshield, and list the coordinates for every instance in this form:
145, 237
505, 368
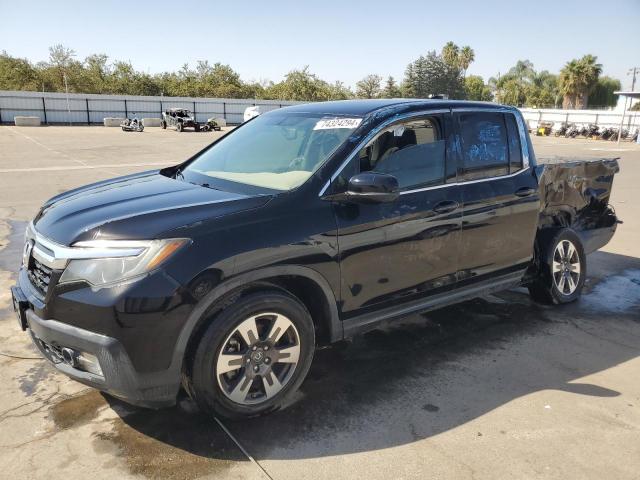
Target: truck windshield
277, 151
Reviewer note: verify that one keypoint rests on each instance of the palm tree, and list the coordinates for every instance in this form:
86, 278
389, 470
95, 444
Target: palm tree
577, 79
523, 70
465, 58
450, 53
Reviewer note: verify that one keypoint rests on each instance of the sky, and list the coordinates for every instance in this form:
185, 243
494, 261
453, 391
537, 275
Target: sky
339, 40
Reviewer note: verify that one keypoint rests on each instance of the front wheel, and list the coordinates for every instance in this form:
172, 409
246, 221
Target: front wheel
179, 126
163, 125
253, 356
563, 267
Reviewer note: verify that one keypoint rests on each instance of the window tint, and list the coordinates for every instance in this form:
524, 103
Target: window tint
484, 145
515, 150
413, 152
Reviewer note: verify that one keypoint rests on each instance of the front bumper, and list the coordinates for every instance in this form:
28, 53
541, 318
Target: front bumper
119, 377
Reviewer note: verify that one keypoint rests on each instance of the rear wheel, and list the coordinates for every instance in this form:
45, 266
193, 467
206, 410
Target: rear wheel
253, 356
563, 267
196, 127
163, 125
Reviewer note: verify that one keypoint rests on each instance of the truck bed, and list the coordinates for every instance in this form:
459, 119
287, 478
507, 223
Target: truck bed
575, 193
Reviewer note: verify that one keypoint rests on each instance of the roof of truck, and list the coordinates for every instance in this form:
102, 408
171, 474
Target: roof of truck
364, 107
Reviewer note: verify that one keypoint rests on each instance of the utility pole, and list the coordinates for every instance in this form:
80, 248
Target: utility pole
66, 87
633, 71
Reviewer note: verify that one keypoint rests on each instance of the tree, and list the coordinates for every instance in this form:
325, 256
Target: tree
450, 54
369, 87
18, 74
523, 86
409, 82
455, 56
61, 56
97, 72
466, 58
338, 91
544, 90
511, 91
300, 85
577, 80
431, 74
522, 71
602, 94
476, 89
391, 89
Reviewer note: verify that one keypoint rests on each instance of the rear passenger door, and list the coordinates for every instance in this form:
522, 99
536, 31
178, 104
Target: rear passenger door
499, 194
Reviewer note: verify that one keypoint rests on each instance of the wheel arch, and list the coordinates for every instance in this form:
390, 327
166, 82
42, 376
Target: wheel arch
303, 283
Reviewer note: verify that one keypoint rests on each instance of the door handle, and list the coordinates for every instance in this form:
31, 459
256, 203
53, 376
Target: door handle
525, 192
446, 206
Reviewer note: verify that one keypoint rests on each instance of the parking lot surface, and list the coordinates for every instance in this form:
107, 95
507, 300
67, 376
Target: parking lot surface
494, 388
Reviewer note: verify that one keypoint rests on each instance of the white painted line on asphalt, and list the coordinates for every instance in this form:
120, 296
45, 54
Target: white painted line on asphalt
47, 148
251, 459
612, 149
80, 167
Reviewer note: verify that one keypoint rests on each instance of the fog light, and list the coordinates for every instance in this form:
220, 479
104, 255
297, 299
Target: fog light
88, 363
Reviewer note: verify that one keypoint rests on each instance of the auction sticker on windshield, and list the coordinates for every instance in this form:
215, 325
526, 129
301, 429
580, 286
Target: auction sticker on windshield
330, 123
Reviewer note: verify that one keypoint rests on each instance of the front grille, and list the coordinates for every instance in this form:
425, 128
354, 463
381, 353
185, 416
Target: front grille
39, 275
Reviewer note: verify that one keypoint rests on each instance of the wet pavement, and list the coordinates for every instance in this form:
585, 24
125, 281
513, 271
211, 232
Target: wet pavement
497, 387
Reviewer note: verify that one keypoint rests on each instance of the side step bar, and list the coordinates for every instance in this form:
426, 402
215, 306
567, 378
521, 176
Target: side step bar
369, 321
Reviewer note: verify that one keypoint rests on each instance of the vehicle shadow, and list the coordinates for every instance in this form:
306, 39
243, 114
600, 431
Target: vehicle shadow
428, 374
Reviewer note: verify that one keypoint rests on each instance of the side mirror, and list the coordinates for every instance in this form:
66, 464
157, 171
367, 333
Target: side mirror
369, 187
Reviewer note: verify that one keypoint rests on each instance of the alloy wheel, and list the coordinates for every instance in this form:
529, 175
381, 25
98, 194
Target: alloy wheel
566, 267
258, 358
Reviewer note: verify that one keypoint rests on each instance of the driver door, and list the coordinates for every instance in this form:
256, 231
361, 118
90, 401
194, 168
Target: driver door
397, 251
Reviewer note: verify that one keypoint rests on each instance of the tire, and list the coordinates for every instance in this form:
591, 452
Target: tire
163, 125
196, 127
179, 127
240, 391
563, 267
141, 128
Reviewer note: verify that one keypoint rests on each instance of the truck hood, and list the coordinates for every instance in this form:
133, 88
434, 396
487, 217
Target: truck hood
135, 207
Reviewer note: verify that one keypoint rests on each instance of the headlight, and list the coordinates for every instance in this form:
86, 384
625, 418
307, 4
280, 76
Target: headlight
105, 262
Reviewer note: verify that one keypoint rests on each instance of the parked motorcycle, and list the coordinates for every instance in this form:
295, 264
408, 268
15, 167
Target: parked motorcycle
624, 134
132, 125
211, 125
562, 130
572, 131
605, 133
591, 131
613, 134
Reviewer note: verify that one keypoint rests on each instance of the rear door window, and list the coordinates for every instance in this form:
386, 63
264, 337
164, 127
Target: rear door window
515, 148
484, 145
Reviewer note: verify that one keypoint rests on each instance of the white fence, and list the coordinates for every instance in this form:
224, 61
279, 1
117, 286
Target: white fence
85, 109
602, 118
89, 109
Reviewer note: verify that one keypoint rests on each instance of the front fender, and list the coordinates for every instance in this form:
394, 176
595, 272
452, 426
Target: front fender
335, 325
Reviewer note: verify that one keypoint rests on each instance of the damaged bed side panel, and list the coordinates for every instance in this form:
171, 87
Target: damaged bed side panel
576, 194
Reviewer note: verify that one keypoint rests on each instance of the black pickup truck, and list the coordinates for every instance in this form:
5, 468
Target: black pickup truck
301, 227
